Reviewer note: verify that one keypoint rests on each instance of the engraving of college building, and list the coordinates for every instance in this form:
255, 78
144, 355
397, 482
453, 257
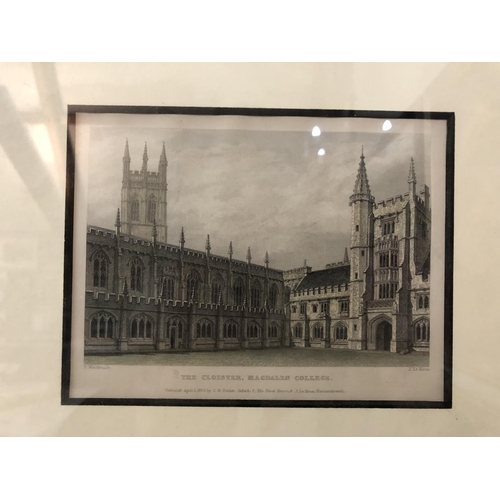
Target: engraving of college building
377, 299
143, 294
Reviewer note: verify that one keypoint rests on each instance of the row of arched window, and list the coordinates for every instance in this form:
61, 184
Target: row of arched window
318, 331
388, 259
103, 326
421, 331
387, 290
193, 282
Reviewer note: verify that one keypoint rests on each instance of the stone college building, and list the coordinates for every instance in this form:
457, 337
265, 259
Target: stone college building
145, 295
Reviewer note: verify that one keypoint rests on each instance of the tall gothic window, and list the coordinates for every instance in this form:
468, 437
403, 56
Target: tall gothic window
204, 329
230, 330
136, 275
298, 331
102, 326
273, 296
141, 327
255, 293
422, 331
134, 210
168, 287
272, 331
318, 331
217, 297
192, 286
100, 270
152, 209
253, 331
341, 332
238, 291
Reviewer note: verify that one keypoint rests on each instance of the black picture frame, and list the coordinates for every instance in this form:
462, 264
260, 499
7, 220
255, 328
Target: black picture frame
74, 110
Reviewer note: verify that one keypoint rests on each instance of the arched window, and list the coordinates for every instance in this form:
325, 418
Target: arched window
272, 331
298, 331
230, 330
102, 326
168, 288
141, 327
318, 331
216, 294
136, 272
422, 331
253, 331
238, 291
100, 269
255, 294
134, 210
341, 332
192, 286
152, 209
426, 302
204, 329
273, 296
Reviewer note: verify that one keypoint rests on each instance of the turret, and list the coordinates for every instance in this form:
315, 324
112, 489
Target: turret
361, 202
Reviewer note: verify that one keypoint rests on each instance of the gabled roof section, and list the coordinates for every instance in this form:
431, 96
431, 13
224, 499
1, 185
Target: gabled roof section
326, 277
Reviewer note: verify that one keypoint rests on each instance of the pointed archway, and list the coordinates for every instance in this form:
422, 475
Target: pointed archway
383, 336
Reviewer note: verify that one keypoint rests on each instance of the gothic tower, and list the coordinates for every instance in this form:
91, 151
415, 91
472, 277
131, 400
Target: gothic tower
361, 202
144, 197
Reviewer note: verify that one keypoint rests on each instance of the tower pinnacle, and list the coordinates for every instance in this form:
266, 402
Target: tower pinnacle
266, 260
126, 154
207, 244
346, 256
145, 158
361, 186
182, 239
412, 178
154, 232
249, 256
118, 222
126, 162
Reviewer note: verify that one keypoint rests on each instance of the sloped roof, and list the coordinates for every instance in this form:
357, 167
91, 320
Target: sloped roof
326, 277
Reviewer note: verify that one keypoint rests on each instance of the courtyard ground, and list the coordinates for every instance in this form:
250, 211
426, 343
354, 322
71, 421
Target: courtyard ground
267, 357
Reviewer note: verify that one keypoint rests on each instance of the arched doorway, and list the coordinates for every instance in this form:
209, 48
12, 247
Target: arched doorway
175, 331
383, 336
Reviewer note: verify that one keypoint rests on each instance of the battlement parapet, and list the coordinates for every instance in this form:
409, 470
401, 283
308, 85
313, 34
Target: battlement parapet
336, 264
390, 206
99, 231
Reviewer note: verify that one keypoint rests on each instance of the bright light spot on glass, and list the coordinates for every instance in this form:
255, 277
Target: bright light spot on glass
321, 152
387, 126
316, 131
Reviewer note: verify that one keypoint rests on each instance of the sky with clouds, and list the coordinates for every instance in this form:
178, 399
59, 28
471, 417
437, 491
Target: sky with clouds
267, 189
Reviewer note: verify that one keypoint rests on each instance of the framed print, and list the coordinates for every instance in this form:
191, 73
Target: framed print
258, 257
